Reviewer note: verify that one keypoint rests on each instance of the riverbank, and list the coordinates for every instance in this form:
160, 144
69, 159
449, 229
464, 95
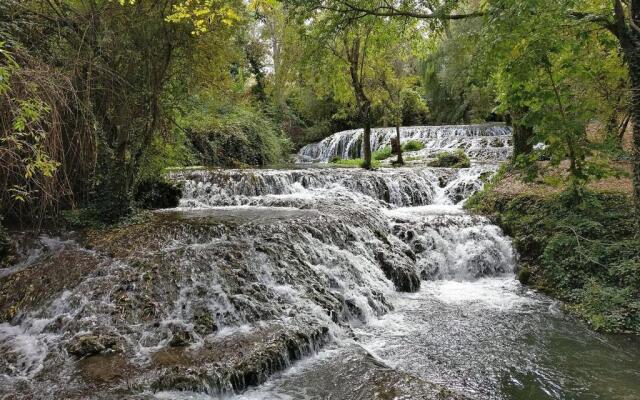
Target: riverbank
584, 252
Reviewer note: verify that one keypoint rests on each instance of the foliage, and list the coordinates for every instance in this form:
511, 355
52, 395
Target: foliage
236, 137
454, 91
584, 252
33, 101
157, 193
554, 76
453, 159
382, 154
412, 145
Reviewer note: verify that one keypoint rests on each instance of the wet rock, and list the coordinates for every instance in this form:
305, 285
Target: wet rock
403, 276
180, 338
237, 362
204, 323
88, 345
497, 142
44, 279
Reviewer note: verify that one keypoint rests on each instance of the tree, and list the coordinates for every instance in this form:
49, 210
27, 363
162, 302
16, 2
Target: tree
622, 20
394, 66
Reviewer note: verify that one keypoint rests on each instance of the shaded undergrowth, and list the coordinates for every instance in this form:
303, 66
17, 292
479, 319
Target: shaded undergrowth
584, 251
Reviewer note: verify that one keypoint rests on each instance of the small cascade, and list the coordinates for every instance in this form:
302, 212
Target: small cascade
450, 244
481, 142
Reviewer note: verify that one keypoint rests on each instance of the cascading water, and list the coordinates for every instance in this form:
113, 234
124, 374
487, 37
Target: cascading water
482, 142
377, 283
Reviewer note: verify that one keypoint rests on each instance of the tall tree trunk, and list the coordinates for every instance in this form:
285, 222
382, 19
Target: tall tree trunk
400, 160
522, 136
628, 33
634, 68
366, 137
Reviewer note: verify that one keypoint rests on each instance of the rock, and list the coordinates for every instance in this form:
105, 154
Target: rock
455, 159
204, 323
181, 338
88, 345
403, 275
497, 142
157, 193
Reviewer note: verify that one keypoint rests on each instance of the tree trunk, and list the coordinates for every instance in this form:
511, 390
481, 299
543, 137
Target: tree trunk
366, 137
628, 34
634, 69
522, 136
625, 28
400, 161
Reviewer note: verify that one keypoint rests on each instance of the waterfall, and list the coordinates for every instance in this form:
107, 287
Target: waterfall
482, 142
254, 270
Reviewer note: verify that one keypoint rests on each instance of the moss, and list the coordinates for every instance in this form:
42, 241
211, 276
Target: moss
524, 274
454, 159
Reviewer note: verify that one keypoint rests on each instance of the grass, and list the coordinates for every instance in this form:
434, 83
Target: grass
353, 162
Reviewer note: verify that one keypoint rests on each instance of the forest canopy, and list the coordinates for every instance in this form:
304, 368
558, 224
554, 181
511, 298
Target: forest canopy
98, 96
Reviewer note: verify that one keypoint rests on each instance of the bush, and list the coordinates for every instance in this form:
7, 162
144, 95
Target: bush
455, 159
157, 193
241, 136
413, 145
414, 108
582, 251
382, 154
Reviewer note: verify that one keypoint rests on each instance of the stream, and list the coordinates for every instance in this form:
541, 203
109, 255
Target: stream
309, 283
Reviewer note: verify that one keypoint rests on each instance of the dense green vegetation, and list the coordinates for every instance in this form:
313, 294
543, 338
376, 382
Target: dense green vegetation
100, 95
353, 162
586, 253
412, 145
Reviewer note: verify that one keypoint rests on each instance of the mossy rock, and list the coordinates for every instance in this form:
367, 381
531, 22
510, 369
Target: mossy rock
455, 159
524, 275
88, 345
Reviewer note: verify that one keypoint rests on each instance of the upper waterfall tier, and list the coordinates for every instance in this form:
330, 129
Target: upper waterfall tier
402, 187
482, 142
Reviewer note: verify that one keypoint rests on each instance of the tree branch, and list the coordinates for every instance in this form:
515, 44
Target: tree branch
388, 10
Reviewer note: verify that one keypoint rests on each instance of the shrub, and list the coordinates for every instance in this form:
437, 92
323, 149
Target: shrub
413, 145
455, 159
583, 251
157, 193
242, 135
382, 154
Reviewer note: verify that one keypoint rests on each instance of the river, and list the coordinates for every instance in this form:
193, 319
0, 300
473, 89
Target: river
310, 283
